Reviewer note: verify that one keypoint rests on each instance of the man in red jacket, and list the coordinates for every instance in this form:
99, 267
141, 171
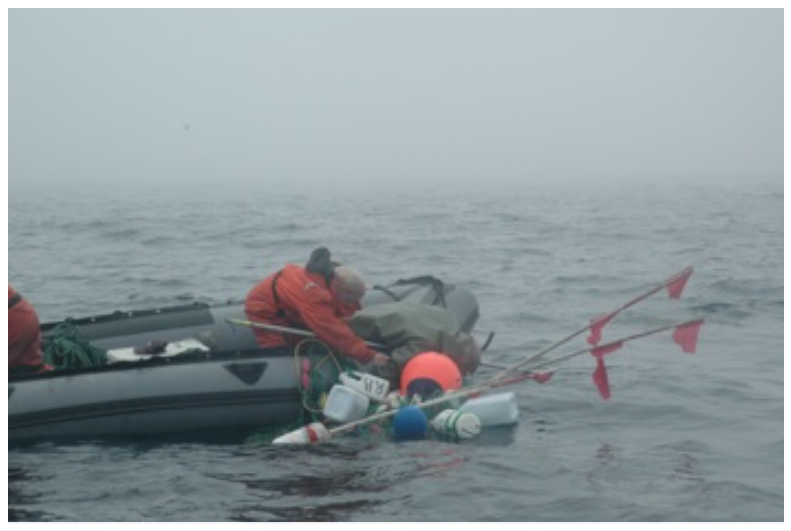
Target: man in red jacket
24, 336
318, 297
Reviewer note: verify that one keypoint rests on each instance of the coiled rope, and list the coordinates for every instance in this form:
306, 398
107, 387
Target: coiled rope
65, 348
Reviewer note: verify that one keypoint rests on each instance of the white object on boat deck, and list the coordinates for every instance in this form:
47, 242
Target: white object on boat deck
173, 348
344, 404
494, 410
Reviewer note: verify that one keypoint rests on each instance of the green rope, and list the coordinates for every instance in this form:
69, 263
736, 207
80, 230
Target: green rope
65, 348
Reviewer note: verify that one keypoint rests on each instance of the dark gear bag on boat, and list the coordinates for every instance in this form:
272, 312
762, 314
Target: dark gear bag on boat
408, 328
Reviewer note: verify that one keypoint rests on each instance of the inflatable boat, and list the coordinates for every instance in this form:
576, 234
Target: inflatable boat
209, 377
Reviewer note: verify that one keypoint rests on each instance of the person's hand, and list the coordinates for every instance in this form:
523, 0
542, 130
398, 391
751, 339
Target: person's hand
385, 367
381, 360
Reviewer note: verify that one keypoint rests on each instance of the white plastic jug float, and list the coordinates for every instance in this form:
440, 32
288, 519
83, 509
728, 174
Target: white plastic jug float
494, 410
344, 404
457, 424
371, 386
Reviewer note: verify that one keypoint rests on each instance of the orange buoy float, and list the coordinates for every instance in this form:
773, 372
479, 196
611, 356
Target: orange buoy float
430, 373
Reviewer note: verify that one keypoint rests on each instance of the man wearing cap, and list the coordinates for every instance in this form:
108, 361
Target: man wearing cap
318, 297
24, 336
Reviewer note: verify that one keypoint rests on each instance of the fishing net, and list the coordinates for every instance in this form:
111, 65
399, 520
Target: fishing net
318, 368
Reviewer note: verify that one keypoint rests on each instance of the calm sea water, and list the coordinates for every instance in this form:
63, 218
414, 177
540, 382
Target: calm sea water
684, 437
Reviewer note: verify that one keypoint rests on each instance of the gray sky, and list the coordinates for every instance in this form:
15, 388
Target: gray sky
320, 98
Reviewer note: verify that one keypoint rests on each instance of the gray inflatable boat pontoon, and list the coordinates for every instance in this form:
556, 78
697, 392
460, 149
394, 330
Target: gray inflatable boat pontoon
211, 379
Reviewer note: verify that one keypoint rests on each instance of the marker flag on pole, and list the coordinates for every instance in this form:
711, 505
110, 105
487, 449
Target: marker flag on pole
607, 349
597, 325
600, 378
600, 374
543, 377
676, 284
686, 336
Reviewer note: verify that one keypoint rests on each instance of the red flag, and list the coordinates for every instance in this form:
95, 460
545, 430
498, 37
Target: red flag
542, 377
596, 326
600, 378
676, 285
600, 374
606, 349
686, 336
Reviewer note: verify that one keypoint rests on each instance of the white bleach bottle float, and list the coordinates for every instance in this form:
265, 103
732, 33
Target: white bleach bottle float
457, 424
350, 399
371, 386
494, 410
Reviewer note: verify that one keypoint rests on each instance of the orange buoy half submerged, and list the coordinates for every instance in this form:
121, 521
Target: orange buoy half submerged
430, 373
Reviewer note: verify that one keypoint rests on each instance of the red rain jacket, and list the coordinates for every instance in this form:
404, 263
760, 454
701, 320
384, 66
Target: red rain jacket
24, 333
304, 301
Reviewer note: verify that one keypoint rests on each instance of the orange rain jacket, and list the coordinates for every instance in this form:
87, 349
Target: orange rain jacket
24, 333
297, 298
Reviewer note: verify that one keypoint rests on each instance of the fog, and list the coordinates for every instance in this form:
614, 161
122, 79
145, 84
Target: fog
325, 99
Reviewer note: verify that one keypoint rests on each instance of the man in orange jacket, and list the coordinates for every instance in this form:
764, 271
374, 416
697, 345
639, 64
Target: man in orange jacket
318, 297
24, 336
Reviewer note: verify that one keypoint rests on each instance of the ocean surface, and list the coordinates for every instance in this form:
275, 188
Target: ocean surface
684, 438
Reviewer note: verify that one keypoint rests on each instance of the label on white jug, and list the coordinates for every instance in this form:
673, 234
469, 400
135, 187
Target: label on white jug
371, 386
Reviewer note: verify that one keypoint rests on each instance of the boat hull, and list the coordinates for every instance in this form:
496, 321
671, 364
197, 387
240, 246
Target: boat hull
187, 397
228, 387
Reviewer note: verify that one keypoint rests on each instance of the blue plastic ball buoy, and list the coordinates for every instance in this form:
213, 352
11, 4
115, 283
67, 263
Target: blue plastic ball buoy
410, 424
